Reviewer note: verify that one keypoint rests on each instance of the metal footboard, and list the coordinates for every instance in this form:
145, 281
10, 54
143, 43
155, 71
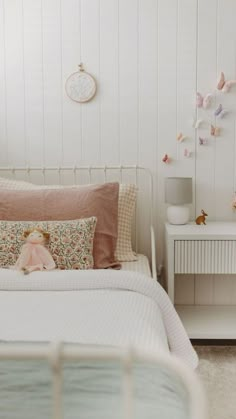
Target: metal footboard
57, 353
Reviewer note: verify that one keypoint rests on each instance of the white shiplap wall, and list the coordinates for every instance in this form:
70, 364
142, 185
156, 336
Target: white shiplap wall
149, 57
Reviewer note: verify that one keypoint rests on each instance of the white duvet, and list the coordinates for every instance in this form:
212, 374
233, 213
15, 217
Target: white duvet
103, 307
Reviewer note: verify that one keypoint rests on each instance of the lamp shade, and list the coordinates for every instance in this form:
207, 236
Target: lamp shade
178, 190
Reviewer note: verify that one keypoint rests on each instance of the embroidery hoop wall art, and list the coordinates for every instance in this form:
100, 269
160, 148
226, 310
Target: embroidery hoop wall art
80, 86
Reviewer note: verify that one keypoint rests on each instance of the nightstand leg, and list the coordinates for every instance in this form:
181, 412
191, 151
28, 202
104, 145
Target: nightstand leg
171, 287
171, 270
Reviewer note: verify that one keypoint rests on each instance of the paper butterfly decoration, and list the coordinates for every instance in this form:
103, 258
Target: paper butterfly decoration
234, 201
166, 159
187, 153
220, 112
215, 131
202, 141
181, 137
203, 101
197, 123
223, 84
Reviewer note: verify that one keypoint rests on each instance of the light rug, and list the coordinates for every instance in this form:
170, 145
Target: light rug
217, 370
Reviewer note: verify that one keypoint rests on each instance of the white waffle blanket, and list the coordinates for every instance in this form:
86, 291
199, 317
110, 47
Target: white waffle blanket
103, 307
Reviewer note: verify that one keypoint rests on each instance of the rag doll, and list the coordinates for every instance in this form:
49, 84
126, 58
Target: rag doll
34, 255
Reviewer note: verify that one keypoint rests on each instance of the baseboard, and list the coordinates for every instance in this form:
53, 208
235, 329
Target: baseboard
215, 342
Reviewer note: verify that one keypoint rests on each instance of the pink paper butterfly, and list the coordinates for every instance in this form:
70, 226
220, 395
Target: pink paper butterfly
202, 141
166, 158
224, 85
203, 101
187, 153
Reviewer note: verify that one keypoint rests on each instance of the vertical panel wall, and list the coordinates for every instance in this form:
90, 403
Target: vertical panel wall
149, 58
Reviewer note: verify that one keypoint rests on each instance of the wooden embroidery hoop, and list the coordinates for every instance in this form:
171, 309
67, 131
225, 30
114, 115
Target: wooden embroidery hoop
80, 86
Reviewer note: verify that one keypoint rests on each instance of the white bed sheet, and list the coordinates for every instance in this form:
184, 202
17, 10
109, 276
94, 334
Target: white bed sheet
120, 318
103, 307
141, 265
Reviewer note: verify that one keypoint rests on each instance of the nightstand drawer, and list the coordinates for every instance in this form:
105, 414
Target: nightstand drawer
205, 256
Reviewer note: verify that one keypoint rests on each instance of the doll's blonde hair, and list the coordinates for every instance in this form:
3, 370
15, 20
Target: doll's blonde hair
45, 234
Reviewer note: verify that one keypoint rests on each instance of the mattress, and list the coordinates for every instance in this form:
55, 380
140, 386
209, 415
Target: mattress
141, 265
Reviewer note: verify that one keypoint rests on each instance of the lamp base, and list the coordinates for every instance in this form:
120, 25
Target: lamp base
178, 214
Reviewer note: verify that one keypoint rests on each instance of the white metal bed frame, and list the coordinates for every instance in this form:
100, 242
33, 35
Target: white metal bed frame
42, 174
57, 353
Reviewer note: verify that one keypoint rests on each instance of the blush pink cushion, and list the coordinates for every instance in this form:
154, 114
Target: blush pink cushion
100, 201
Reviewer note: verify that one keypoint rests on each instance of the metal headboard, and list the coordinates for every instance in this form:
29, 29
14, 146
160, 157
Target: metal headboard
141, 176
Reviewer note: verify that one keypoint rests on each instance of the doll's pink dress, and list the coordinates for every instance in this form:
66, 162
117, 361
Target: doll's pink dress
34, 257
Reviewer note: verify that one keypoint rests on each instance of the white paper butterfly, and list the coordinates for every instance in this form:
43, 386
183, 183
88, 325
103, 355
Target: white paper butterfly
197, 122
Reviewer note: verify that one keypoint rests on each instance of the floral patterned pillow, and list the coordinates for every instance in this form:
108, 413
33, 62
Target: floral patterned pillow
70, 243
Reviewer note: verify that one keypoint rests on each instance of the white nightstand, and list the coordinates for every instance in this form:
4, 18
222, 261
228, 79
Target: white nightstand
202, 249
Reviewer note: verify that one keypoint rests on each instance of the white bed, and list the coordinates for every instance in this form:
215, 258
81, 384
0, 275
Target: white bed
141, 265
95, 307
109, 308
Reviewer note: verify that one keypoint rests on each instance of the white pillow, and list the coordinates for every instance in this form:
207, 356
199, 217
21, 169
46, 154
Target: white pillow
126, 206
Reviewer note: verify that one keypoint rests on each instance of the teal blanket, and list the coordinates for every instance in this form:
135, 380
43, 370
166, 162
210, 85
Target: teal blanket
91, 390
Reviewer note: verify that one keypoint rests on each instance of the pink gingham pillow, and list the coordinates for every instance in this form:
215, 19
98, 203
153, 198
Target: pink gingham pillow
126, 206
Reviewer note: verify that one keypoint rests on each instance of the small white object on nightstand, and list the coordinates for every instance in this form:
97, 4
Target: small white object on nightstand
178, 191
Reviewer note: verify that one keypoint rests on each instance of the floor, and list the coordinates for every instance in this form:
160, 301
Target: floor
217, 370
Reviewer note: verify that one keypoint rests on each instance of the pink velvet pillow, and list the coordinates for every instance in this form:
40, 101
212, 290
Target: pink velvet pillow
100, 201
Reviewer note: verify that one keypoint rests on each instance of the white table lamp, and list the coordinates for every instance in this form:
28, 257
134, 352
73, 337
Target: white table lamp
178, 191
